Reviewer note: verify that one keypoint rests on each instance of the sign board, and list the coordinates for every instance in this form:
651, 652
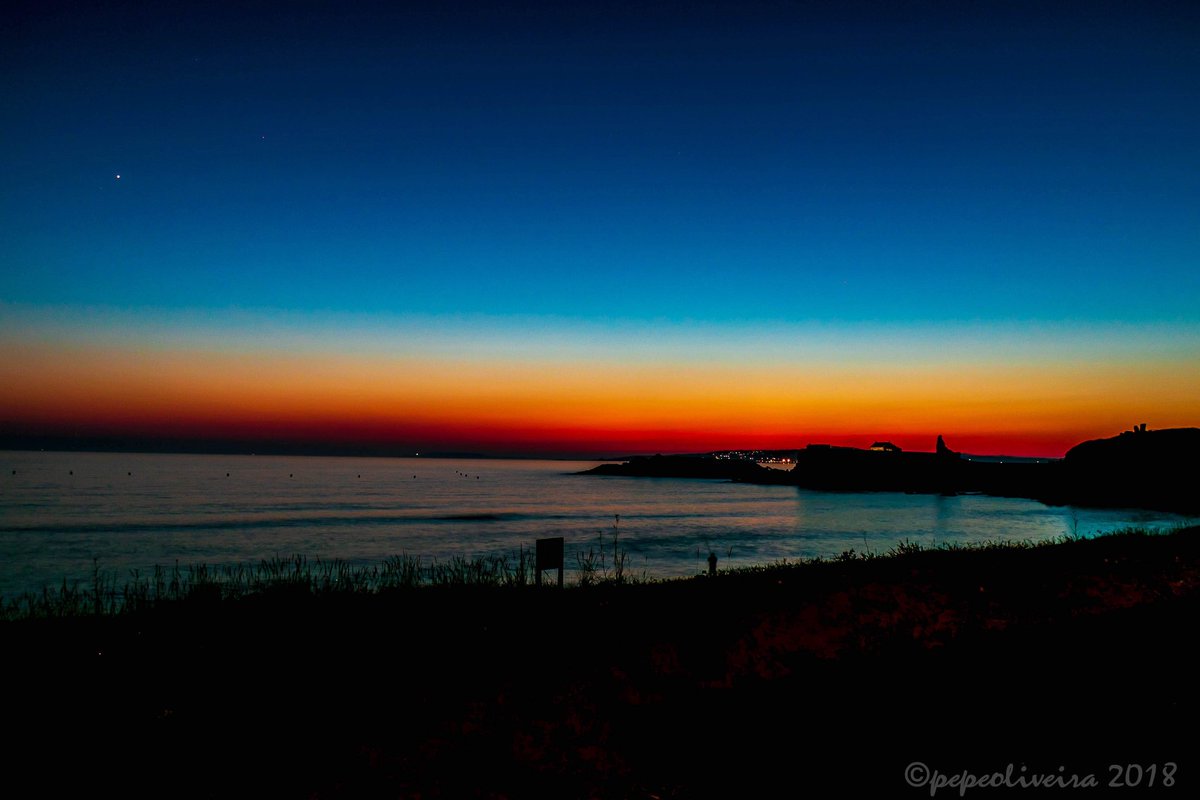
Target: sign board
549, 556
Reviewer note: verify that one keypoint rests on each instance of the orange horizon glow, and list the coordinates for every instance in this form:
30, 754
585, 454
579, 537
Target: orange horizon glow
579, 406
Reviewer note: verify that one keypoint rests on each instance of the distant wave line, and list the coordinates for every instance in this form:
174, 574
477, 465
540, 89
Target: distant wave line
269, 522
167, 525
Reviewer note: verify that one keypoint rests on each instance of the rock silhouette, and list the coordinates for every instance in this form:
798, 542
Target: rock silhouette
1137, 469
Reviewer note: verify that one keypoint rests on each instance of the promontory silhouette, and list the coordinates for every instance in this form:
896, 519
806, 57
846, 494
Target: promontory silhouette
1139, 468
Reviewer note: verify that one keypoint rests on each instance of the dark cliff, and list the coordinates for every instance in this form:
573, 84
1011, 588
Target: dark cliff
1137, 469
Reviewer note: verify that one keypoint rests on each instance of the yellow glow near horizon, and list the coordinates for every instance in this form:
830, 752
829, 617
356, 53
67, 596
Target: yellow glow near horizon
539, 397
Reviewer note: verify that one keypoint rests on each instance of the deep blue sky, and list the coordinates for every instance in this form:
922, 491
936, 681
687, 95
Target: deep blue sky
784, 161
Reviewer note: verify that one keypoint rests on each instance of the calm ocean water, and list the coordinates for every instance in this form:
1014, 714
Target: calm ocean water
59, 511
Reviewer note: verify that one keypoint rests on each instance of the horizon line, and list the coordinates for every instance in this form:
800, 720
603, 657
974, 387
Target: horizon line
138, 445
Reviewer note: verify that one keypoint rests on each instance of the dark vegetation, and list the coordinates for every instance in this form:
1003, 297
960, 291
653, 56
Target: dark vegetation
825, 677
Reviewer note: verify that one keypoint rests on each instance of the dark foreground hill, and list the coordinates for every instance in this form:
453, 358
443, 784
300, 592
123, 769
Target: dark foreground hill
826, 679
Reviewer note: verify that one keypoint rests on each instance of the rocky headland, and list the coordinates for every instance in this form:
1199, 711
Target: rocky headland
1138, 469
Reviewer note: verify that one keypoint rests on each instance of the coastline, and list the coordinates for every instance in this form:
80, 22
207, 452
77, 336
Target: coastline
1136, 469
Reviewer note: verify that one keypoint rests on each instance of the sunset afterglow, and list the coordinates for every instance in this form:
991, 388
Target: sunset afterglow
598, 230
695, 389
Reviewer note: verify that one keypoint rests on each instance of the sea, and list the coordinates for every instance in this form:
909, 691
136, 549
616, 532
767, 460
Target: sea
64, 514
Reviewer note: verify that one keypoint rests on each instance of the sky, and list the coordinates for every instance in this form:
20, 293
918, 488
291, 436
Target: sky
597, 228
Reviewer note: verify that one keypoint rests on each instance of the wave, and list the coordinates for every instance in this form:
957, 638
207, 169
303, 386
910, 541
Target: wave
590, 518
306, 521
